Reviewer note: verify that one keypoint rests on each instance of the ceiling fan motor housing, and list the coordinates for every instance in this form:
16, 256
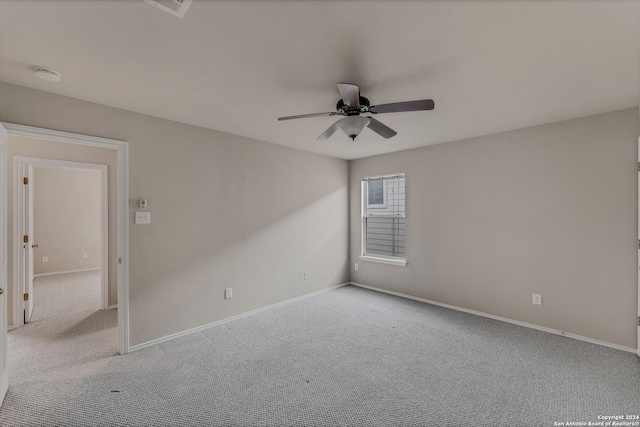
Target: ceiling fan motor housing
346, 110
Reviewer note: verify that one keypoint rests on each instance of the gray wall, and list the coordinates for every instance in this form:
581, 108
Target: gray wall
226, 211
67, 205
550, 209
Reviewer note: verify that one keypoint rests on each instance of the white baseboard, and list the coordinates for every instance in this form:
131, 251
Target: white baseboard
66, 272
228, 319
111, 307
502, 319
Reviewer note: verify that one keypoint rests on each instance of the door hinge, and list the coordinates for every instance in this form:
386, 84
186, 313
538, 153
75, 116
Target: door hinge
25, 239
638, 166
26, 297
25, 180
638, 320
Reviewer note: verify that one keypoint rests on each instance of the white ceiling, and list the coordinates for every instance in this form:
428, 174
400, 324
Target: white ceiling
236, 66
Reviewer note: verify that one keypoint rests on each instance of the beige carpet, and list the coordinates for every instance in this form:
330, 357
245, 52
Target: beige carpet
348, 357
67, 327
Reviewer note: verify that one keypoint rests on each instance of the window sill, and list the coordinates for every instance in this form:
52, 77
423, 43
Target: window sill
390, 261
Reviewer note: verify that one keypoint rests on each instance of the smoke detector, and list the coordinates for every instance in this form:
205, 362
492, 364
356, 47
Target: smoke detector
47, 74
174, 7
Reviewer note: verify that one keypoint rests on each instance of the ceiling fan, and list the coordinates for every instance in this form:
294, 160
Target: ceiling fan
352, 105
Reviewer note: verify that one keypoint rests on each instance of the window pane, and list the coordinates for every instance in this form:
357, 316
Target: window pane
375, 192
385, 196
385, 236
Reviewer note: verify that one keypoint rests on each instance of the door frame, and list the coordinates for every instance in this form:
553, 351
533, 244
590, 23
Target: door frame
4, 371
19, 220
122, 217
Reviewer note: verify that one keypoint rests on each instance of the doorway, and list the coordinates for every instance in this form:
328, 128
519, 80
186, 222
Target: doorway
59, 145
63, 216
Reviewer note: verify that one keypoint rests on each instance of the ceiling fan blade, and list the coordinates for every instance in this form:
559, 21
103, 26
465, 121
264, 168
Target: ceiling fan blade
381, 129
327, 133
397, 107
350, 94
302, 116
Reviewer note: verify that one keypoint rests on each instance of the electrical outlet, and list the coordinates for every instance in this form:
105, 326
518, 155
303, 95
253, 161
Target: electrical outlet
356, 267
45, 259
228, 293
85, 255
536, 299
306, 275
143, 217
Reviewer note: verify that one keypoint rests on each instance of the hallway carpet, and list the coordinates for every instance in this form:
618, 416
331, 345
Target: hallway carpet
67, 327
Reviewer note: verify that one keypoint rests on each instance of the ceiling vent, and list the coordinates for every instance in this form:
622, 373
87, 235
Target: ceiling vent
174, 7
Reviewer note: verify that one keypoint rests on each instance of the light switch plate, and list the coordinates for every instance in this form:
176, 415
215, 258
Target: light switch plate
143, 217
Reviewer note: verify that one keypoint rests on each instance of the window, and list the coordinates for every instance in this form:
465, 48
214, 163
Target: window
383, 219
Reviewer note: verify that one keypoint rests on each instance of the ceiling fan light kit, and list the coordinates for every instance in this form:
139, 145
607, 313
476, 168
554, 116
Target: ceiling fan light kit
352, 105
353, 125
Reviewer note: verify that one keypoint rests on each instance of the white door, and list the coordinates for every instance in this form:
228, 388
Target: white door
27, 172
4, 377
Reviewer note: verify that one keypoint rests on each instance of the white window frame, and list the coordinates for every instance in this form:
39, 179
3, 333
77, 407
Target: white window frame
382, 259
